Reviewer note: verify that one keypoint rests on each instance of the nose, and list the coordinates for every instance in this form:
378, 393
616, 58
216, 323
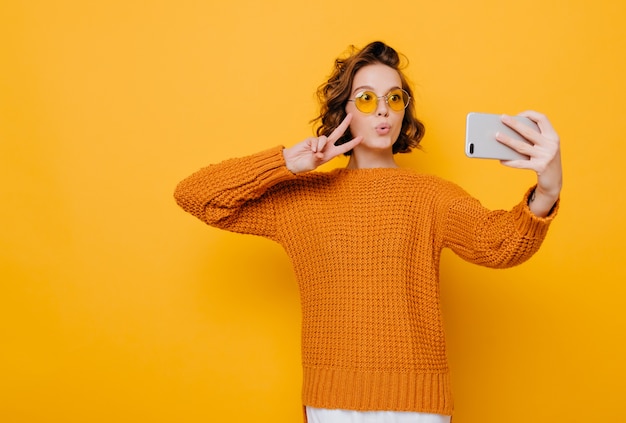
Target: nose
382, 108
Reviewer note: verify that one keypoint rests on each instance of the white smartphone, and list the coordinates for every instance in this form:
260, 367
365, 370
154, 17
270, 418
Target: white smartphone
480, 137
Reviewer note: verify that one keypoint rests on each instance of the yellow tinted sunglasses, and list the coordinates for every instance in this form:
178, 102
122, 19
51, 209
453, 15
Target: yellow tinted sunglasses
367, 101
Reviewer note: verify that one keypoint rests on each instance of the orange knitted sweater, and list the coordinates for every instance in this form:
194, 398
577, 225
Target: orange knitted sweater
365, 246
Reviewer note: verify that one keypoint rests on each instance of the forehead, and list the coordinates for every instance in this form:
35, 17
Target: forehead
378, 77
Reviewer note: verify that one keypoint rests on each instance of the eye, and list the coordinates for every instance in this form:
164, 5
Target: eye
395, 98
365, 96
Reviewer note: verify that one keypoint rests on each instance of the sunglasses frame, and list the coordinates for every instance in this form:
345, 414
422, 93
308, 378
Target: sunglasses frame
386, 97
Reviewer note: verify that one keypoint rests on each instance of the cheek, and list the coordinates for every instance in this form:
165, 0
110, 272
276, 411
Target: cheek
357, 128
398, 125
398, 130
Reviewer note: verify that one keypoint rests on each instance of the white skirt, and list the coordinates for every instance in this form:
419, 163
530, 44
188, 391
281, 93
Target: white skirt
324, 415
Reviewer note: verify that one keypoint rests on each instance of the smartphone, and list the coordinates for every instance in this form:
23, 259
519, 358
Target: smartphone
480, 137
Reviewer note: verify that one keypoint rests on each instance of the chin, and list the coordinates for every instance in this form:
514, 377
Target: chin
378, 144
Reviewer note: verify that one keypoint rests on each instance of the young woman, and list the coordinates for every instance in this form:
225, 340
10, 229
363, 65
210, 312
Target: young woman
365, 240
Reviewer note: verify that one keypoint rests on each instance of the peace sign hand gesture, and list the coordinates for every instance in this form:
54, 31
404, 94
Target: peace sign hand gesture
315, 151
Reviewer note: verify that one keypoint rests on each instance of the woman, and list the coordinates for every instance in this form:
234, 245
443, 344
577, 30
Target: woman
365, 240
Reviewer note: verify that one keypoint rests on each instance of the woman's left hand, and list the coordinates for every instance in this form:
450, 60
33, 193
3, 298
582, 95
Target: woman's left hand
544, 152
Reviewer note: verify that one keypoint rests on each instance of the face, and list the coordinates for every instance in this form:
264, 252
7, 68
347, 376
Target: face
380, 128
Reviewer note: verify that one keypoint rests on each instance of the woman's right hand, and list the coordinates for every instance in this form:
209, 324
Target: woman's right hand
315, 151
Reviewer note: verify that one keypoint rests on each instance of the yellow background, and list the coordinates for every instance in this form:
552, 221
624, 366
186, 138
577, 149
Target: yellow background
116, 306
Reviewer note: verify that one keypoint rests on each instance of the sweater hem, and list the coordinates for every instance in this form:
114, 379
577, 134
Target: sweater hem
377, 390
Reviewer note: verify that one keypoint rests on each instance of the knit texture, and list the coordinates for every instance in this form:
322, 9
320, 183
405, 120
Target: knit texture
365, 246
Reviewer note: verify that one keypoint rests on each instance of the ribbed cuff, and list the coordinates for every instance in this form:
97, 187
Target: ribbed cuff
528, 224
269, 166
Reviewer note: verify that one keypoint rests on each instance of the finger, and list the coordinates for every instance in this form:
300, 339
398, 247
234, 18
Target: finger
538, 166
527, 132
320, 144
347, 146
341, 129
306, 144
518, 164
521, 147
542, 121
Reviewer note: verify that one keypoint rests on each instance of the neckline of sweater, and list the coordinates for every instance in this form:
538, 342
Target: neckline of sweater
371, 170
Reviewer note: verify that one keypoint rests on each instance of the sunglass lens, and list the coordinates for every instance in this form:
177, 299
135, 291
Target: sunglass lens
366, 102
397, 100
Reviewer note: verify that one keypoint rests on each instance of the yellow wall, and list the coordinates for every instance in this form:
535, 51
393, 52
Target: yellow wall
115, 306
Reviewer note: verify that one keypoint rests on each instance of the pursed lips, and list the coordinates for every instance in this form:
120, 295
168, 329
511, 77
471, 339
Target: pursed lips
383, 128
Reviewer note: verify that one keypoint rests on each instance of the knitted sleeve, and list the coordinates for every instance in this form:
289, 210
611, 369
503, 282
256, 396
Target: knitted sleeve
232, 195
498, 238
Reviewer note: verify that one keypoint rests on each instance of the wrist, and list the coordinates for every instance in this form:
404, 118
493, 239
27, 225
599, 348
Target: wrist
288, 160
548, 194
540, 203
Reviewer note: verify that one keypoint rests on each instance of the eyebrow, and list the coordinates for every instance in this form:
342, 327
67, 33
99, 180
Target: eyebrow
370, 88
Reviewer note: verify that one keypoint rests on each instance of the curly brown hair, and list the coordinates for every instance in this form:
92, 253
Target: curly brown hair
334, 94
